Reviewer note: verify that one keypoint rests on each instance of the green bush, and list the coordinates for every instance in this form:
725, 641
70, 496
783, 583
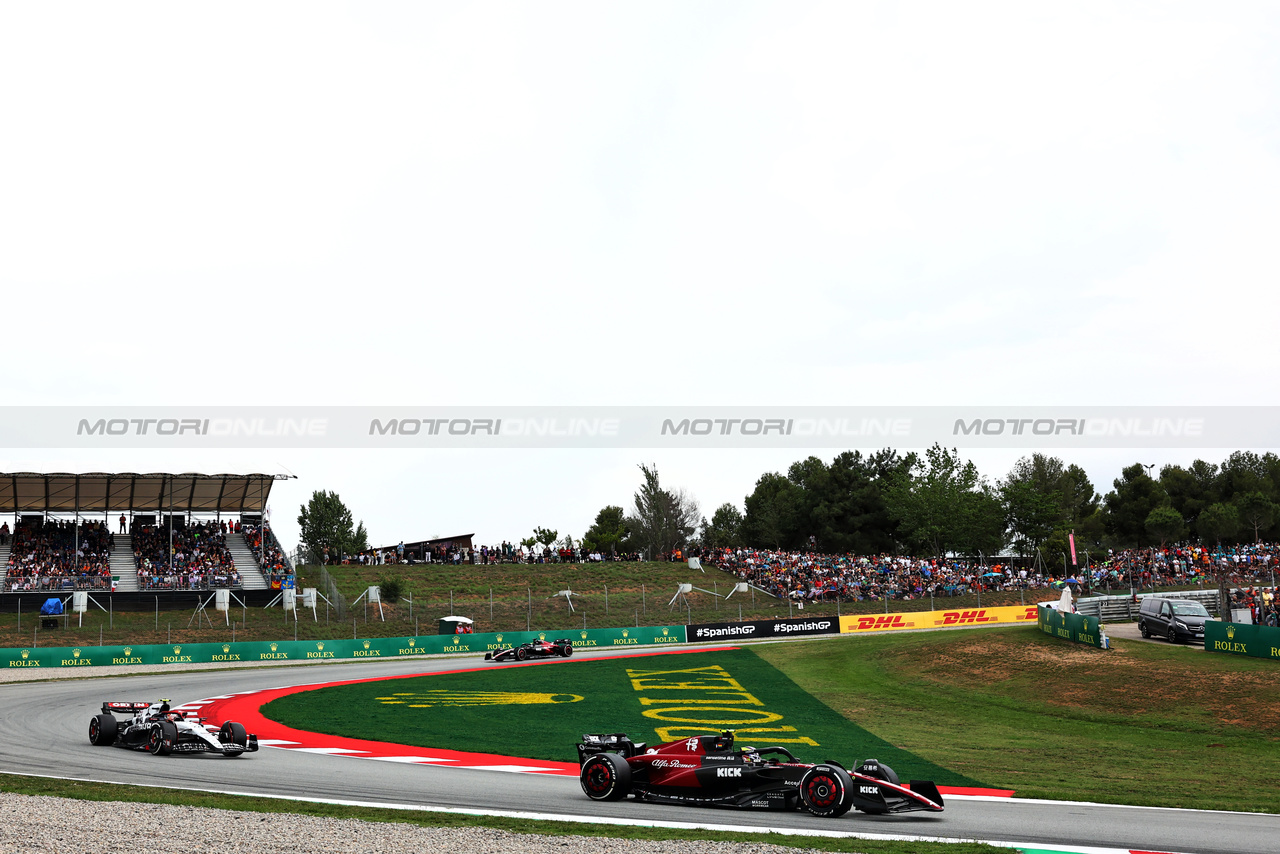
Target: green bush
391, 587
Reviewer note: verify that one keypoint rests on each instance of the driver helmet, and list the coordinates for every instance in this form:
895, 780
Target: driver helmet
164, 706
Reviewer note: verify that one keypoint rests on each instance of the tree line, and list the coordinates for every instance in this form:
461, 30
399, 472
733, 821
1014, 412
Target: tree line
937, 503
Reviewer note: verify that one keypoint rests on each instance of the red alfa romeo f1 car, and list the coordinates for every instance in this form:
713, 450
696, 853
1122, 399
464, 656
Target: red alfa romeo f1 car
707, 770
532, 649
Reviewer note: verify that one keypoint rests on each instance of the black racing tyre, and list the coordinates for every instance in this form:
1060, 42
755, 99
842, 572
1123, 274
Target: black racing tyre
521, 654
233, 733
606, 777
164, 735
103, 729
566, 650
1142, 628
826, 791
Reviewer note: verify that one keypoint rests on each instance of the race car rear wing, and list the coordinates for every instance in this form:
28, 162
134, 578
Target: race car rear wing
126, 708
617, 742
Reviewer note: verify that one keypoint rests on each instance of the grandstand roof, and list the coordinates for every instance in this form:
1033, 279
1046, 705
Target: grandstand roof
110, 492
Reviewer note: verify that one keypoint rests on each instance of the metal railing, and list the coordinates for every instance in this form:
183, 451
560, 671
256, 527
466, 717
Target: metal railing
331, 593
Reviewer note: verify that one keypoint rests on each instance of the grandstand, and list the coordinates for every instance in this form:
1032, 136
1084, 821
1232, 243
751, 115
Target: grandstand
138, 534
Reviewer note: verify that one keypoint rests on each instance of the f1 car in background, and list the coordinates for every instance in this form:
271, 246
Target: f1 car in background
706, 770
533, 649
157, 728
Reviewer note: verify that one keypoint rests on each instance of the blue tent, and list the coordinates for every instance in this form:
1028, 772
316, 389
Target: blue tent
51, 607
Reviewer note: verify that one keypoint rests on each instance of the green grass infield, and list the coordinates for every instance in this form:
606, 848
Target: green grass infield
541, 712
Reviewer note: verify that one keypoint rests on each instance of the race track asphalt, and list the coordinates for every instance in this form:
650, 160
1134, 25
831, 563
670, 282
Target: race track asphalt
44, 726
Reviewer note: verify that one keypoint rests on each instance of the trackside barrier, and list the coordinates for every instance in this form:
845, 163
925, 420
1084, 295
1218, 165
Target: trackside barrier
370, 648
938, 619
1072, 627
1242, 639
763, 629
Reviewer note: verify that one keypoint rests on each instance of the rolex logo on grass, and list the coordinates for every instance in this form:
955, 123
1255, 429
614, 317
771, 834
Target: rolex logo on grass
433, 699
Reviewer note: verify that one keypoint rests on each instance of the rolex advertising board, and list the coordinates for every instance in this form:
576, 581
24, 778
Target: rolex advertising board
1072, 627
1242, 639
337, 650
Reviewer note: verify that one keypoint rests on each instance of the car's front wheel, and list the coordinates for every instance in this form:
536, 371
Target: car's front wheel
234, 734
521, 654
164, 735
826, 791
606, 777
1173, 635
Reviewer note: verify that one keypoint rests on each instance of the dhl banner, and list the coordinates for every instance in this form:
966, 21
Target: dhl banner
938, 619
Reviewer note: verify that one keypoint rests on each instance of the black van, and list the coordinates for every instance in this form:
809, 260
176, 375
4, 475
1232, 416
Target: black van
1176, 620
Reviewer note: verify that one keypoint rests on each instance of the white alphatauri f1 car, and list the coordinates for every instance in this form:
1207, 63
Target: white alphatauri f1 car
157, 728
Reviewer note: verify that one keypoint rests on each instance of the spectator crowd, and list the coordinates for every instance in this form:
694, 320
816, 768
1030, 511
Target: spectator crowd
59, 555
197, 560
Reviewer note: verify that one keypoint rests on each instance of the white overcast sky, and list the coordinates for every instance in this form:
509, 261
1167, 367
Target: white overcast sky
601, 203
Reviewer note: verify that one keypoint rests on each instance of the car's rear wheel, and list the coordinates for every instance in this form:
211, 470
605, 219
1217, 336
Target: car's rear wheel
606, 777
164, 735
103, 730
521, 654
566, 650
826, 791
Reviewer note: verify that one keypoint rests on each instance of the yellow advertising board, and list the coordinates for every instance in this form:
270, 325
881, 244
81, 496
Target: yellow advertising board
938, 619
